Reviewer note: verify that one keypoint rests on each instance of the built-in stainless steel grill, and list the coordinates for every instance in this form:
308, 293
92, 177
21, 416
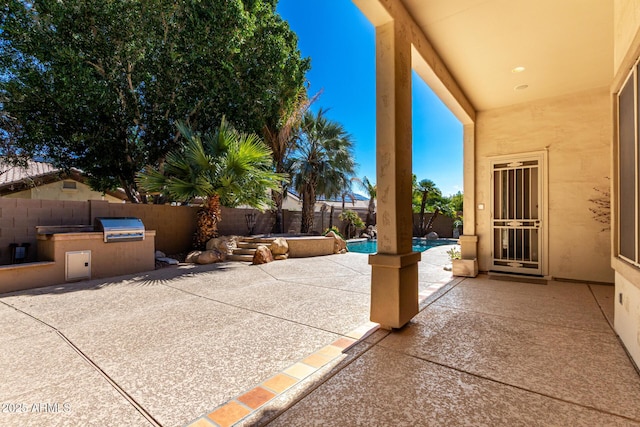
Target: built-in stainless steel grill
120, 229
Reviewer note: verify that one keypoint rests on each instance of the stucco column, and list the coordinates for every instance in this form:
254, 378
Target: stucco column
469, 240
394, 275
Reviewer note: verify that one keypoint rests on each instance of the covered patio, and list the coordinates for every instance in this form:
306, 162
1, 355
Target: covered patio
545, 91
484, 353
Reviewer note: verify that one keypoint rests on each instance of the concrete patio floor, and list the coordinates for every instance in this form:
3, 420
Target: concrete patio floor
165, 347
484, 353
177, 346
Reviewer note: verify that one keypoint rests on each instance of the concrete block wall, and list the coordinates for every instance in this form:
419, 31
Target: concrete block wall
443, 225
234, 222
174, 225
19, 218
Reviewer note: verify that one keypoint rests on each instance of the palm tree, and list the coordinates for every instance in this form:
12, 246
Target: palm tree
226, 168
371, 190
438, 207
341, 189
281, 137
322, 162
424, 188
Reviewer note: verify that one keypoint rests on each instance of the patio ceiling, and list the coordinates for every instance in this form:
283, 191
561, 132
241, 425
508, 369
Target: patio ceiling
565, 46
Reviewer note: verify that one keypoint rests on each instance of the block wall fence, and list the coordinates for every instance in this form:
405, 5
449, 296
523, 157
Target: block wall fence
174, 225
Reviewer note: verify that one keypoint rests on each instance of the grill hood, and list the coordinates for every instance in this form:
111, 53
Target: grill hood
120, 229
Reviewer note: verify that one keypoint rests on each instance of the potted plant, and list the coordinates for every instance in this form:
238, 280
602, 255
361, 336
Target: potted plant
457, 228
462, 267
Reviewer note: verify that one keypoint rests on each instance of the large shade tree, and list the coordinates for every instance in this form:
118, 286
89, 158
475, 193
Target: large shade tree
282, 136
99, 85
226, 167
322, 163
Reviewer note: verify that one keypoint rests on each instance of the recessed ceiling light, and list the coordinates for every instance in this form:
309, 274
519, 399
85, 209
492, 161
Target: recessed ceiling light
521, 87
518, 69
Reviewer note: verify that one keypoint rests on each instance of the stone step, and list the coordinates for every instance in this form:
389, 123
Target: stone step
261, 240
242, 258
248, 245
244, 251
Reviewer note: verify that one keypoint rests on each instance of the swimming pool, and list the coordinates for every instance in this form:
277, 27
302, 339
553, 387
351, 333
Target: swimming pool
419, 245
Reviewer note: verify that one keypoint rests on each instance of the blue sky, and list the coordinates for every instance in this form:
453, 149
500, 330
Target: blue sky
341, 44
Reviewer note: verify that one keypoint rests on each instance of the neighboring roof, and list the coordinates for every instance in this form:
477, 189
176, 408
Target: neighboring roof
360, 202
19, 178
356, 196
15, 174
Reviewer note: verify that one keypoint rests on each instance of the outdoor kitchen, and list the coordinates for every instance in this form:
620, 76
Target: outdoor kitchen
111, 247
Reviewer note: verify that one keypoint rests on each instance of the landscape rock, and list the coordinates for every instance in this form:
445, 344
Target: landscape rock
279, 247
211, 256
192, 256
339, 245
224, 244
371, 231
262, 256
365, 236
160, 254
432, 236
281, 257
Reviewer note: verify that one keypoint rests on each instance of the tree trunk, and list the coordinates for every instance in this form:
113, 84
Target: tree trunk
432, 219
278, 226
208, 218
308, 205
331, 217
423, 204
129, 190
370, 210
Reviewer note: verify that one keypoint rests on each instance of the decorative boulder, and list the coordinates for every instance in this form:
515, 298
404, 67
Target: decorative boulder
224, 244
281, 257
262, 256
432, 236
339, 245
209, 257
371, 231
279, 247
192, 256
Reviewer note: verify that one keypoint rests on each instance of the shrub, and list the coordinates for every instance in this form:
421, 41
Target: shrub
454, 253
335, 230
353, 221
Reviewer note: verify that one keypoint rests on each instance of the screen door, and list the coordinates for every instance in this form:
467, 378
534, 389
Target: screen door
517, 216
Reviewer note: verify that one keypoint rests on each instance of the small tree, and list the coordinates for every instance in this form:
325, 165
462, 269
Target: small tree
226, 167
424, 189
353, 220
371, 190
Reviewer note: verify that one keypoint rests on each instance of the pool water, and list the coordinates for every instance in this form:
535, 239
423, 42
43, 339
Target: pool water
419, 245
